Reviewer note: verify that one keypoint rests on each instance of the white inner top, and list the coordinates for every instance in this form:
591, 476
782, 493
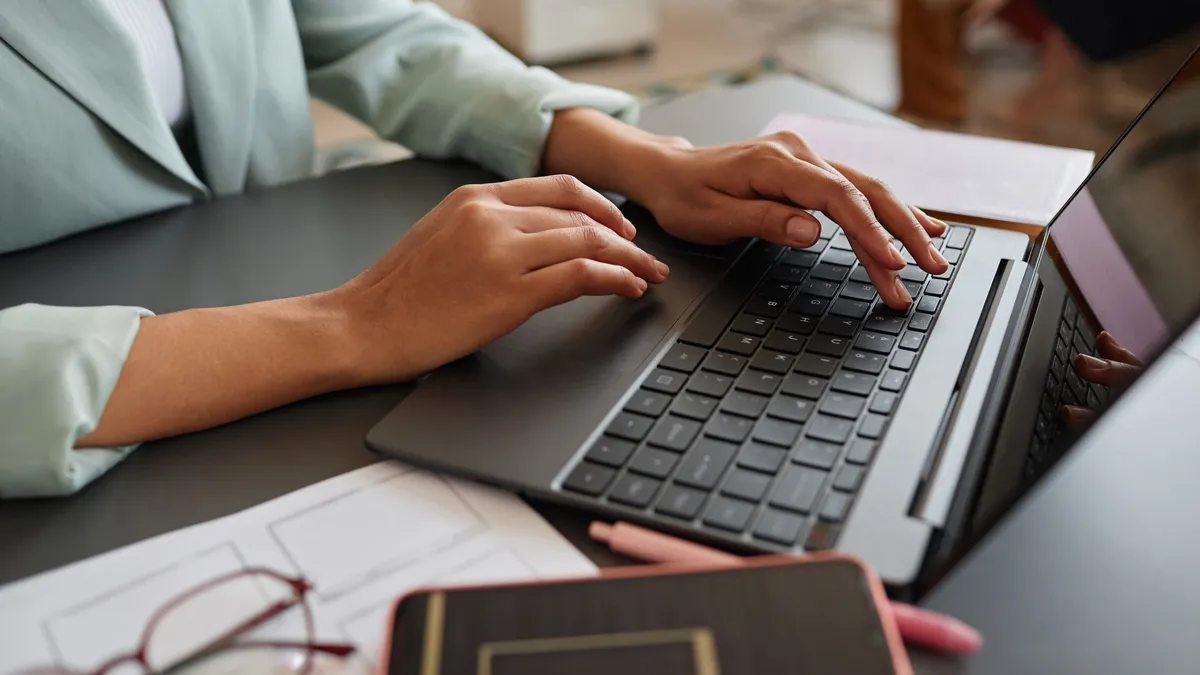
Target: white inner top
147, 21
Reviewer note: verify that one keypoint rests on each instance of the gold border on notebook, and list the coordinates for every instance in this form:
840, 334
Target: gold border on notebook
704, 646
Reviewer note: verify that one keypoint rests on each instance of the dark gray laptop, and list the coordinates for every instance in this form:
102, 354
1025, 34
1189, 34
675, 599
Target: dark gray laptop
763, 399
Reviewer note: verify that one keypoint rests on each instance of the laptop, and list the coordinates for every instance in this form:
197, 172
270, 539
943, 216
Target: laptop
763, 400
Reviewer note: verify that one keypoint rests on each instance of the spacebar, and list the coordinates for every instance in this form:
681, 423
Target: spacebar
724, 301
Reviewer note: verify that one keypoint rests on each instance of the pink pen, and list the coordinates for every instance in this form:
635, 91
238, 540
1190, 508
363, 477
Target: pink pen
917, 626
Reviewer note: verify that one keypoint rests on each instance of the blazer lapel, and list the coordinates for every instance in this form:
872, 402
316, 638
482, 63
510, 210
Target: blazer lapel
216, 40
80, 47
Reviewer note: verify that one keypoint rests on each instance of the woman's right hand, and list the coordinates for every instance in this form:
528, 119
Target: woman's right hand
483, 262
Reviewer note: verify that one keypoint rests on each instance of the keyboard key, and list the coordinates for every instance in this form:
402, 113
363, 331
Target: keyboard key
744, 403
832, 429
1061, 351
703, 466
774, 362
767, 307
841, 241
952, 256
725, 363
1080, 344
830, 272
843, 405
674, 433
920, 321
936, 288
653, 462
710, 384
759, 382
822, 537
761, 458
911, 341
738, 344
749, 324
945, 275
729, 427
792, 409
683, 357
781, 341
928, 304
872, 426
788, 274
748, 485
629, 426
835, 507
875, 342
666, 381
853, 383
885, 323
914, 274
694, 406
884, 403
908, 257
798, 324
861, 451
798, 488
864, 362
634, 490
648, 402
799, 258
859, 291
610, 451
728, 514
589, 479
904, 360
809, 305
1070, 312
957, 238
681, 502
893, 380
817, 453
853, 309
828, 345
775, 290
860, 275
839, 326
848, 478
913, 288
839, 257
804, 386
812, 364
779, 527
776, 432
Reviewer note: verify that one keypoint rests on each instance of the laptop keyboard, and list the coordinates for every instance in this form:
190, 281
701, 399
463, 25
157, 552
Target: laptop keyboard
1063, 387
761, 421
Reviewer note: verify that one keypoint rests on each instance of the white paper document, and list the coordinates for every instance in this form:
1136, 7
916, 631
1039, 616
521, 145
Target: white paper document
362, 539
955, 173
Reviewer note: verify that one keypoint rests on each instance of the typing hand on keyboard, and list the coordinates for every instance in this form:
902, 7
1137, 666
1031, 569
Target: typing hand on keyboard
1115, 367
761, 188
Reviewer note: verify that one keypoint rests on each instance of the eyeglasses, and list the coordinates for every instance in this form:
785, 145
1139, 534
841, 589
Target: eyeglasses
209, 628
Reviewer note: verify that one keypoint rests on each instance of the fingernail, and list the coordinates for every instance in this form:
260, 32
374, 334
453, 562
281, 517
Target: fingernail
897, 259
1093, 362
800, 231
937, 255
642, 285
662, 268
903, 292
630, 229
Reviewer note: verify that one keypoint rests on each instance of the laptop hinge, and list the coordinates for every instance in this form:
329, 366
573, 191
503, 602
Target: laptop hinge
949, 452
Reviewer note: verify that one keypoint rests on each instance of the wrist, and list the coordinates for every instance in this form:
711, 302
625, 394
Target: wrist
645, 164
339, 338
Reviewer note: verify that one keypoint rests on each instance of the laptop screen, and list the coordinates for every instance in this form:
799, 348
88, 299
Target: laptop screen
1118, 278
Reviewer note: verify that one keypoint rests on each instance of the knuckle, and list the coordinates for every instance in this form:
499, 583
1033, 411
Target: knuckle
568, 184
594, 238
474, 211
790, 138
467, 192
771, 150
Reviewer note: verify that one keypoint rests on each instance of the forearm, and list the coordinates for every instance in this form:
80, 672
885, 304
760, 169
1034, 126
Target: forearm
201, 368
604, 152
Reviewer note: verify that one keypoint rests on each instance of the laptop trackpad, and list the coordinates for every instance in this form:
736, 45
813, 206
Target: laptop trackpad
514, 412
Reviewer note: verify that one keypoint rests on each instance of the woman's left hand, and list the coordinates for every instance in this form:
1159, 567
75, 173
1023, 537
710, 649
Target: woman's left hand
760, 188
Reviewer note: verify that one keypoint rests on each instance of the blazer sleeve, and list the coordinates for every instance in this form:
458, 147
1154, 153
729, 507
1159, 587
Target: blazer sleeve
58, 366
438, 85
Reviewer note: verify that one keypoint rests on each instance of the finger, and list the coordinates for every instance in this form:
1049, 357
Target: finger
773, 221
897, 218
596, 242
565, 192
810, 186
566, 281
1112, 350
934, 227
1075, 417
887, 282
1105, 372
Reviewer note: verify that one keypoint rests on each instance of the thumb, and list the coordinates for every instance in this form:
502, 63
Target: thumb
775, 222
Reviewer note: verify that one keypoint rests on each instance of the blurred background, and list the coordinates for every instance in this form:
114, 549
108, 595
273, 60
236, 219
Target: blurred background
993, 67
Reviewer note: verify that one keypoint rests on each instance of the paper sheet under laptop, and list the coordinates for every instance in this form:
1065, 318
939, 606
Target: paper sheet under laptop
953, 173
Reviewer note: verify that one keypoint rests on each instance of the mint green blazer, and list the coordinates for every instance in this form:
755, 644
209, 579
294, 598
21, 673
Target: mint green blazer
82, 145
